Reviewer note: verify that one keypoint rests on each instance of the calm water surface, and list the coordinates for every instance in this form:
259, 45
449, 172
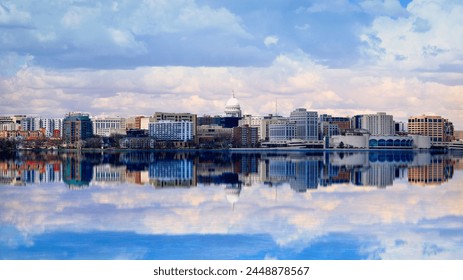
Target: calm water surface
224, 205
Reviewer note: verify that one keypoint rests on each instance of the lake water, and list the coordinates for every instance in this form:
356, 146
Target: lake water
229, 205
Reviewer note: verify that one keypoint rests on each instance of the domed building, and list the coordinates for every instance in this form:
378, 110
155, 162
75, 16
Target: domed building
232, 107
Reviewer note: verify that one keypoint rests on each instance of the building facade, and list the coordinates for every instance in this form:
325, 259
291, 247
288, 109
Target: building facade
171, 130
436, 127
77, 127
282, 130
108, 126
378, 124
306, 123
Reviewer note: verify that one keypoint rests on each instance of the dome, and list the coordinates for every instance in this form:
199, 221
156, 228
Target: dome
232, 107
232, 102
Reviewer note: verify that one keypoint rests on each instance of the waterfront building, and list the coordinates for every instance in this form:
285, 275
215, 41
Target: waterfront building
306, 124
282, 130
214, 134
30, 124
245, 136
107, 126
329, 125
439, 129
261, 123
378, 124
77, 127
167, 130
367, 141
53, 127
177, 117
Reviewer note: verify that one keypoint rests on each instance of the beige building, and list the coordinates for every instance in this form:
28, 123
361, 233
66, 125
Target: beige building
436, 127
458, 134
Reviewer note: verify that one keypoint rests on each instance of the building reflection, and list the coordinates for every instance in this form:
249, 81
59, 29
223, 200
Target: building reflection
302, 171
77, 170
438, 171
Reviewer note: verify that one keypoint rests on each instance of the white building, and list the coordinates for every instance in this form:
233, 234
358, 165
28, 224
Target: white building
51, 125
378, 124
107, 126
306, 124
282, 130
39, 123
171, 130
232, 107
261, 123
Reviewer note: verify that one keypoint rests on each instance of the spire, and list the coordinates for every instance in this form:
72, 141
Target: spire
233, 93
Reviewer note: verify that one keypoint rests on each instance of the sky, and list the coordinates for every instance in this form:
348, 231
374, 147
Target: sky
126, 58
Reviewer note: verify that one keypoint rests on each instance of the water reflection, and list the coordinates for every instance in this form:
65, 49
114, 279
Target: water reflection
224, 205
303, 171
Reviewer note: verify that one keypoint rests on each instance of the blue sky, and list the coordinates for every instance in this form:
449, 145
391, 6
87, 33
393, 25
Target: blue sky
138, 57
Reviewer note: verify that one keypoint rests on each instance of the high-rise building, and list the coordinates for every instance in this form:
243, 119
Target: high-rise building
171, 130
107, 126
378, 124
306, 123
282, 130
245, 136
436, 127
177, 117
76, 127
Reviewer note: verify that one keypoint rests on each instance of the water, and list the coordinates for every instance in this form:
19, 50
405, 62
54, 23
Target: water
223, 205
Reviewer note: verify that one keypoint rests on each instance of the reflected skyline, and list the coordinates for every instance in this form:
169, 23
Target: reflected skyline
303, 171
138, 205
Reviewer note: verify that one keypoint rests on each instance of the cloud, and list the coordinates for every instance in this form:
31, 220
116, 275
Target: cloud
10, 16
271, 40
420, 40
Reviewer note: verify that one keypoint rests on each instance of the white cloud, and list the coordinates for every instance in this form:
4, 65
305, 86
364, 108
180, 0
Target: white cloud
11, 16
425, 39
271, 40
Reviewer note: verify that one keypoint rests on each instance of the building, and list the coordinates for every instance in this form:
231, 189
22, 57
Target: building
282, 130
245, 136
436, 127
166, 130
225, 122
209, 134
133, 122
261, 123
77, 127
306, 124
367, 141
53, 127
177, 117
232, 107
330, 125
107, 126
378, 124
458, 134
30, 124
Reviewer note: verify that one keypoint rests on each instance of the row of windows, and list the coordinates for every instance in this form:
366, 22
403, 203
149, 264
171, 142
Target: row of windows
390, 143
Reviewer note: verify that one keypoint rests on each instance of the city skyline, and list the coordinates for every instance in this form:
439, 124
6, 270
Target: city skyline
121, 58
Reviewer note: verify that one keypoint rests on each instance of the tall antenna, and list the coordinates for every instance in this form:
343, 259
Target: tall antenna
276, 106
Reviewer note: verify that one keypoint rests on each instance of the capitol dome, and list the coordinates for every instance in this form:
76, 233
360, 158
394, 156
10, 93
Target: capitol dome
232, 107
